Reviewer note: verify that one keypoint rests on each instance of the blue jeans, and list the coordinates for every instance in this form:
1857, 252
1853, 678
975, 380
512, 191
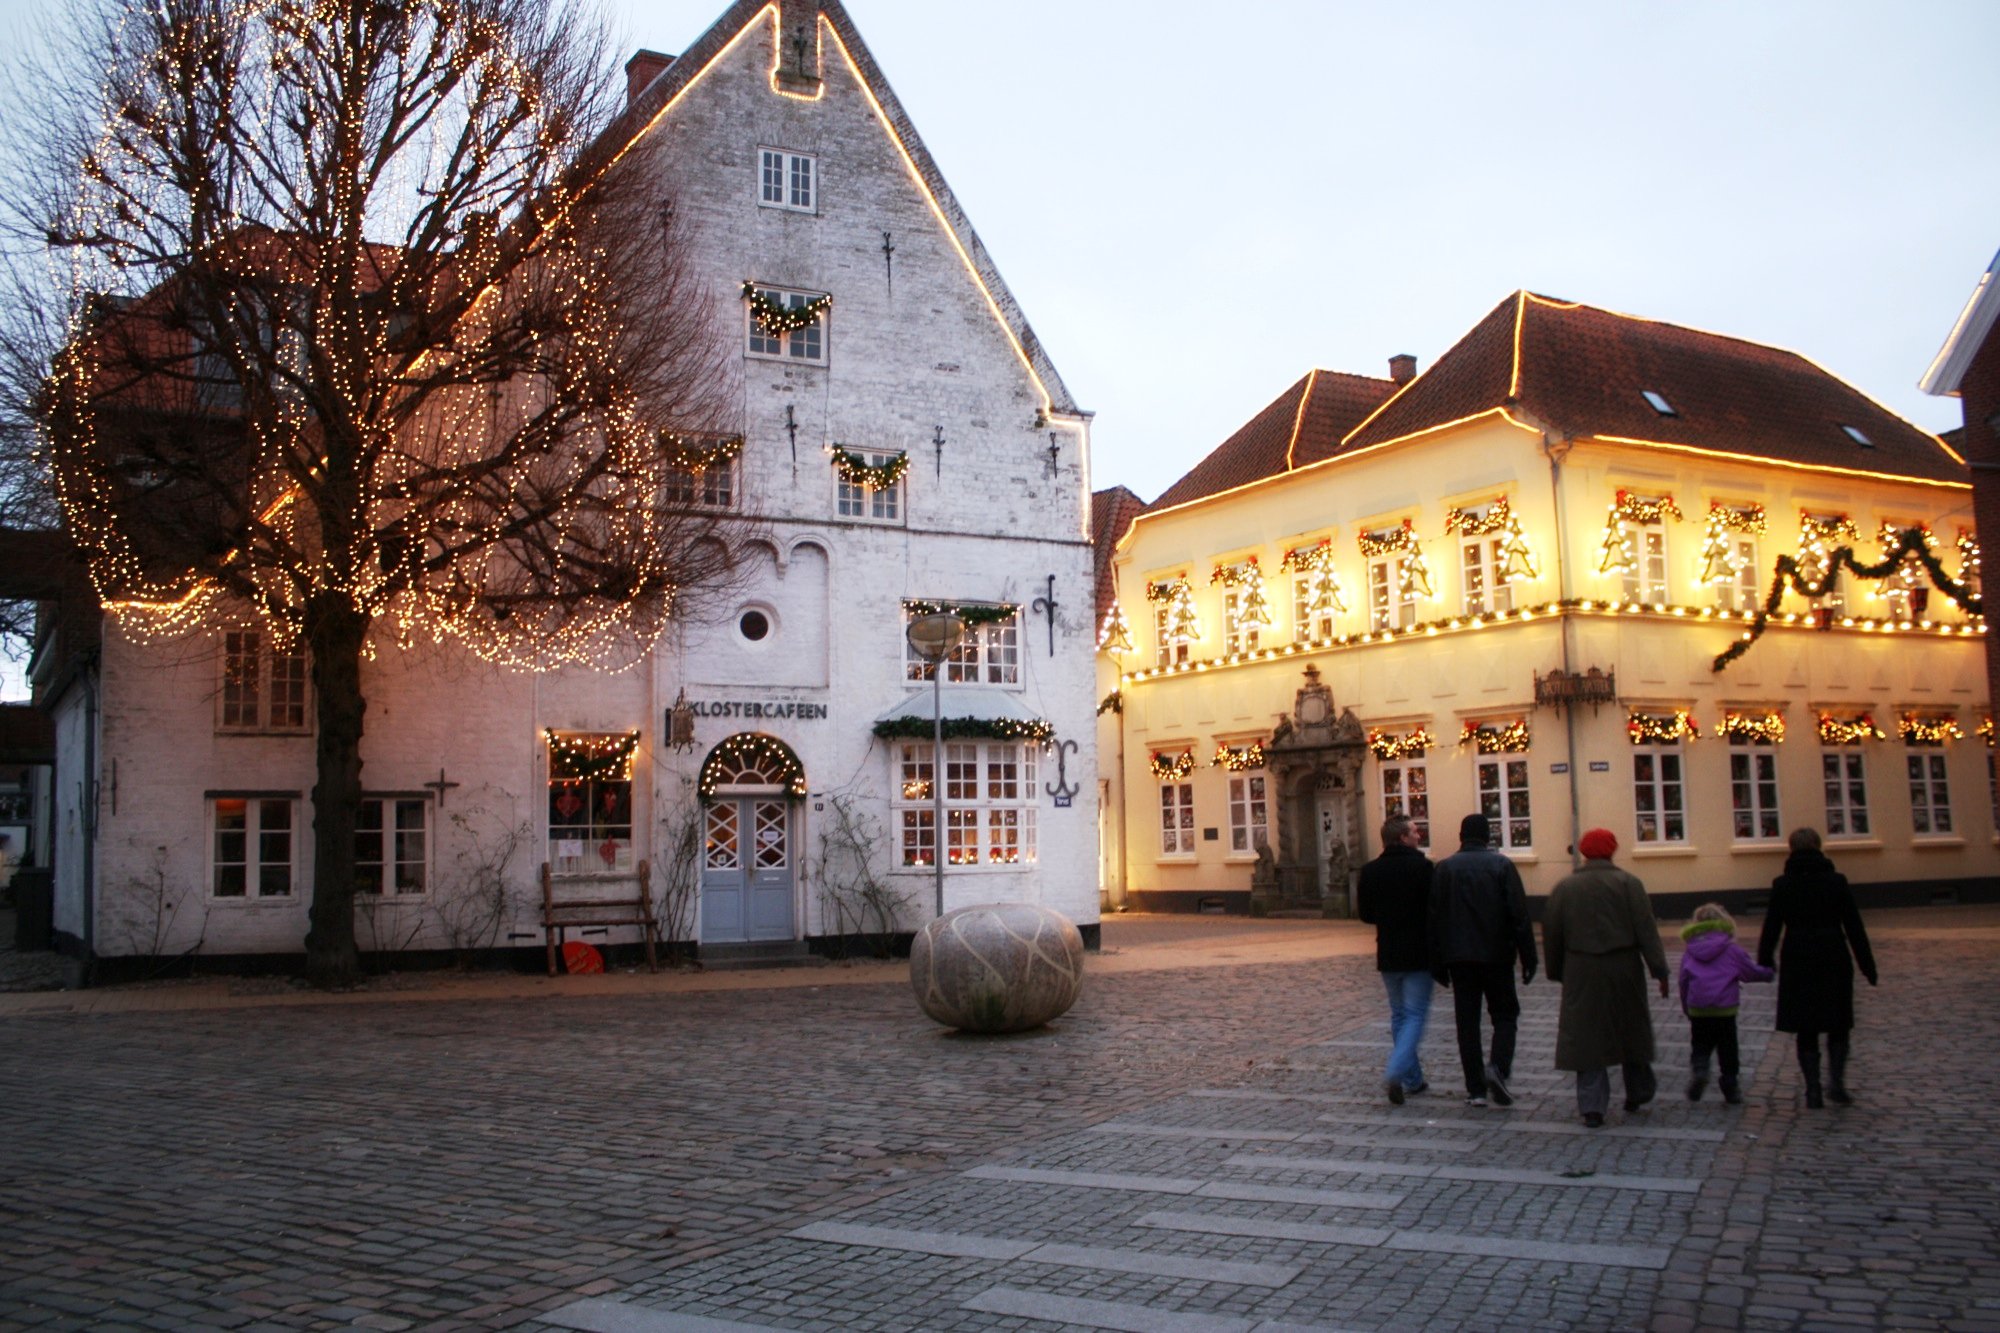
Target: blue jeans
1409, 1010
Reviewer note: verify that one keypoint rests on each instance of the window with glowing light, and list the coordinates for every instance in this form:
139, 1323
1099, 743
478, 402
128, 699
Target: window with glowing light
989, 804
713, 487
1306, 623
1930, 792
787, 180
1753, 791
1392, 598
1504, 800
1900, 590
1406, 790
391, 845
805, 344
251, 844
1659, 796
1169, 648
1249, 814
263, 686
990, 654
1176, 819
590, 802
1646, 580
1484, 569
1239, 632
1743, 590
1843, 774
877, 504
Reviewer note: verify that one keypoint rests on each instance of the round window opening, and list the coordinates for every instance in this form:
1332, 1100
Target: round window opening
754, 625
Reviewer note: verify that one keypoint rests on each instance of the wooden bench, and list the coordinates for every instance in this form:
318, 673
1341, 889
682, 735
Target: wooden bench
597, 905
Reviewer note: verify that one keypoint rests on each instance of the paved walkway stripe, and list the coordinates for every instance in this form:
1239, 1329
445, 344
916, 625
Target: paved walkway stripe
951, 1244
599, 1315
1085, 1313
1432, 1242
1246, 1193
1181, 1266
1096, 1180
1625, 1131
1401, 1144
1497, 1174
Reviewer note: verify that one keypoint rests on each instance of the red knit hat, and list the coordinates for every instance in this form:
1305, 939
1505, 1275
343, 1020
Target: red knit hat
1598, 844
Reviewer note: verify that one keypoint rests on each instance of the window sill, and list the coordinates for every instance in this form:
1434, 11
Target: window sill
1240, 859
1521, 858
1779, 848
1922, 841
264, 731
1177, 859
781, 358
930, 872
1657, 851
286, 901
1855, 844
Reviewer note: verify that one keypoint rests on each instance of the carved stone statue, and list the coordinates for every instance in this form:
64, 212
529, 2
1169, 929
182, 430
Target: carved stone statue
1336, 880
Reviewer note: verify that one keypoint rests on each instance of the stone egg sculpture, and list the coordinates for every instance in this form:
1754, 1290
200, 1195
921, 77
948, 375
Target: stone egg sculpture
999, 967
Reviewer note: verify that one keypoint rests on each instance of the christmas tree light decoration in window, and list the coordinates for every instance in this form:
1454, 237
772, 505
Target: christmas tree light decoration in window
1239, 758
1183, 626
1390, 746
1324, 597
1662, 728
1414, 576
1968, 561
1247, 575
1985, 731
1619, 550
777, 319
1929, 729
1114, 636
1837, 730
1172, 767
1496, 737
1752, 728
1719, 560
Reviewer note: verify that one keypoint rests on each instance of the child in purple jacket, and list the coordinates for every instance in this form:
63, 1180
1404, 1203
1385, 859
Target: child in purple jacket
1712, 972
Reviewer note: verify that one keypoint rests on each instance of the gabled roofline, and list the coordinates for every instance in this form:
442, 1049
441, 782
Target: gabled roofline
677, 79
1974, 327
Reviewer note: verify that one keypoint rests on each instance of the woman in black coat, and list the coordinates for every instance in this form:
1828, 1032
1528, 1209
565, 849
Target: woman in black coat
1813, 912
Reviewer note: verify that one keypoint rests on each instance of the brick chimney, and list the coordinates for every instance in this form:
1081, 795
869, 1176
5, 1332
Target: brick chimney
641, 70
1402, 368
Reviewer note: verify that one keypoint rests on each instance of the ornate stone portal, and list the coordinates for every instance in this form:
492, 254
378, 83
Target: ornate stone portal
1315, 764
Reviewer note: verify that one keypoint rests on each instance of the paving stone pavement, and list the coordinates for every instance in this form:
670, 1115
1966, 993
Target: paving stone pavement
1190, 1148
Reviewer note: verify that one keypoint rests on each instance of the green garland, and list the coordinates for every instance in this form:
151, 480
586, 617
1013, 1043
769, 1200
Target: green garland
684, 452
752, 750
1114, 702
856, 470
779, 320
1788, 575
968, 729
973, 614
590, 757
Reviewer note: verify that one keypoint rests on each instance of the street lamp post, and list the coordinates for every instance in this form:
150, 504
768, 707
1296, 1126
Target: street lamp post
935, 637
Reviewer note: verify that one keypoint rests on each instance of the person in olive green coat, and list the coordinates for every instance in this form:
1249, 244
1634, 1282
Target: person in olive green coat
1600, 940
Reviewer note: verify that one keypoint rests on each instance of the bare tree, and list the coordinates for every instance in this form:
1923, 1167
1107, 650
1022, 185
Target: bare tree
357, 332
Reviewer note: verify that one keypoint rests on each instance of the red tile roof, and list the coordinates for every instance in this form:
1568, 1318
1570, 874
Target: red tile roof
1581, 372
1303, 425
1111, 513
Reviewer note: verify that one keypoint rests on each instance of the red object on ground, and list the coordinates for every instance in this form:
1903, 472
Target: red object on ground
580, 958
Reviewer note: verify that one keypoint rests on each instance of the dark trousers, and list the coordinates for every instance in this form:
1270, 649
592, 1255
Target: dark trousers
1714, 1034
1836, 1054
1493, 983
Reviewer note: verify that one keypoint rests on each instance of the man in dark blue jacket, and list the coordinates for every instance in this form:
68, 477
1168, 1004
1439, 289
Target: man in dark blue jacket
1478, 925
1394, 897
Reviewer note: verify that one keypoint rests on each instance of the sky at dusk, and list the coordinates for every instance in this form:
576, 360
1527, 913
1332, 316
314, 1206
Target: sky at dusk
1197, 203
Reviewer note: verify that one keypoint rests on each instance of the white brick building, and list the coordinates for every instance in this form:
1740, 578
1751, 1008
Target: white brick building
183, 806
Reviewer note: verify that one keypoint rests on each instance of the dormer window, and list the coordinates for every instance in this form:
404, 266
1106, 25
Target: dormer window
1854, 433
1658, 403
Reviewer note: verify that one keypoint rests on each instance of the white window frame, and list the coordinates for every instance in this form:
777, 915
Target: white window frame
1305, 625
269, 846
263, 688
808, 344
1652, 792
1249, 812
393, 849
1238, 634
990, 654
1753, 792
1168, 650
588, 860
1505, 768
1176, 819
989, 804
1387, 607
1843, 772
713, 487
779, 173
1744, 591
870, 504
1646, 581
1930, 792
1483, 574
1403, 800
1896, 589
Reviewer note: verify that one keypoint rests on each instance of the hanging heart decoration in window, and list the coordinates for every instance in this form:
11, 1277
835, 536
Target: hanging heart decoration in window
610, 802
608, 849
568, 804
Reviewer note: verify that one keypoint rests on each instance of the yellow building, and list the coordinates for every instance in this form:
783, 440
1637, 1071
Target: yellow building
1586, 570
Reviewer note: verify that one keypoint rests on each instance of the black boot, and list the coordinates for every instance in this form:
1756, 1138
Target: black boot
1809, 1066
1836, 1069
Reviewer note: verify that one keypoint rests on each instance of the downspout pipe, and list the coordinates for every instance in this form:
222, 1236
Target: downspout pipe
1558, 450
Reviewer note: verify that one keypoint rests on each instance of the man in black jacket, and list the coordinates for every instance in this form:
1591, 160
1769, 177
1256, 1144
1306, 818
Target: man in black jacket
1478, 924
1394, 897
